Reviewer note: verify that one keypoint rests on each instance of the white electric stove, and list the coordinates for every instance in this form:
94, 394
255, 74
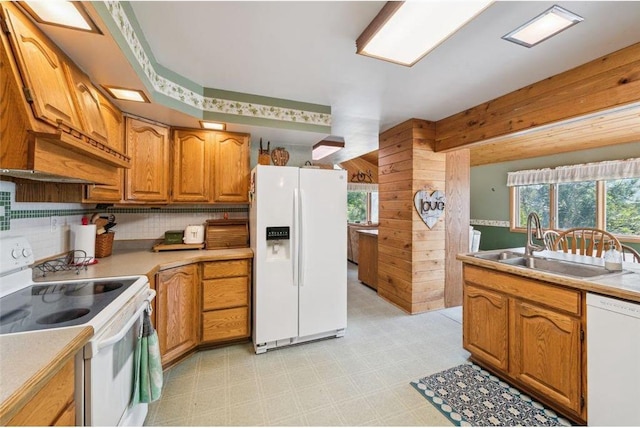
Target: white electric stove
113, 306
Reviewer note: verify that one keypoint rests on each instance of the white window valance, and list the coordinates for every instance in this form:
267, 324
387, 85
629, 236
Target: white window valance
362, 187
608, 170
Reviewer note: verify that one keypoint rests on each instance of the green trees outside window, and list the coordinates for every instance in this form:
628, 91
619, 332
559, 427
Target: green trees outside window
569, 205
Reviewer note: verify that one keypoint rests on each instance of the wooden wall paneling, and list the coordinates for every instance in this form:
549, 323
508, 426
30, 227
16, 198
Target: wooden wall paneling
354, 166
609, 82
457, 218
410, 256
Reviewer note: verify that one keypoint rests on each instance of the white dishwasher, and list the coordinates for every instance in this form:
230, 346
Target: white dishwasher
613, 361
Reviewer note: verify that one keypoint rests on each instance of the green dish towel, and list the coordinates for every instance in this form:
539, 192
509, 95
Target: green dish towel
147, 379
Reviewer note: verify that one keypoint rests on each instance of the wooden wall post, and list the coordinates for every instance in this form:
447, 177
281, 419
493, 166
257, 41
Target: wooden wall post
457, 219
411, 257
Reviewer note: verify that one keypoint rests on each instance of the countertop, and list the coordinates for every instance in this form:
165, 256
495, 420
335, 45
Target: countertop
147, 262
28, 360
623, 285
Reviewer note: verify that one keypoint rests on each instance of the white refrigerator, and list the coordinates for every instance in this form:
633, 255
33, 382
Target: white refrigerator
298, 227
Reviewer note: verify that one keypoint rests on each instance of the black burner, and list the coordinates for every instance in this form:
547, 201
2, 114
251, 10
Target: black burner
63, 316
92, 288
14, 316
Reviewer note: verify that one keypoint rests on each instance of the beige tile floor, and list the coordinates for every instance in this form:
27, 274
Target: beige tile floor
361, 379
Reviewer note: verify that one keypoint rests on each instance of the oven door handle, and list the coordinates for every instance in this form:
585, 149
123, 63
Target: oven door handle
124, 330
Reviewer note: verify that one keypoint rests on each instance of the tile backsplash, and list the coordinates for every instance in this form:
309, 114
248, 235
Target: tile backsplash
34, 220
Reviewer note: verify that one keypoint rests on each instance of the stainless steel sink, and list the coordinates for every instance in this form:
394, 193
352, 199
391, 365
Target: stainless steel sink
561, 267
498, 255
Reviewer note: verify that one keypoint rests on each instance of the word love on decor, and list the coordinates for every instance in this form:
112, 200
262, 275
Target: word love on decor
430, 207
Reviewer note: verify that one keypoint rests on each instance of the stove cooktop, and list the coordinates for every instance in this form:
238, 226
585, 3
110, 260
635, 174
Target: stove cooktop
43, 306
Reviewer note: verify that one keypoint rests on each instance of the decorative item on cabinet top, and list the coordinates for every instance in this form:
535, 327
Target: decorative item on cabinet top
280, 156
263, 155
362, 177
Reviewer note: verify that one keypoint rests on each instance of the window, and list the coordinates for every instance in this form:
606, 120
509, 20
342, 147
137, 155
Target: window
362, 205
534, 198
357, 207
576, 205
623, 206
604, 195
612, 205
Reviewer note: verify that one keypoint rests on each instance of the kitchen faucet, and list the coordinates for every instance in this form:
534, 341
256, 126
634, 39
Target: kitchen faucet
531, 246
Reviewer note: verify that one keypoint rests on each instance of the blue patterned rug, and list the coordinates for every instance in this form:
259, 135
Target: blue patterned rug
470, 396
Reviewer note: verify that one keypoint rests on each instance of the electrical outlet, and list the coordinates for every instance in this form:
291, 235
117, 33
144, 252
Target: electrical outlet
56, 222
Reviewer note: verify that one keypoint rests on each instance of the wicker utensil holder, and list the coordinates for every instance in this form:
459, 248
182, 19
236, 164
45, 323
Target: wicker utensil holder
104, 244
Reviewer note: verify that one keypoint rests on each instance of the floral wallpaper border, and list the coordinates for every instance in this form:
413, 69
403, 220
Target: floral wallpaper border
193, 99
496, 223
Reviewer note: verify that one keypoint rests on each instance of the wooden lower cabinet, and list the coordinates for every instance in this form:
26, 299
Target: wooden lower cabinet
368, 257
530, 333
485, 325
546, 353
177, 303
226, 293
54, 404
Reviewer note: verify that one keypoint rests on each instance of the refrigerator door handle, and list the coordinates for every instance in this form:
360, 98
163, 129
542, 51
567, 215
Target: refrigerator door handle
301, 239
296, 239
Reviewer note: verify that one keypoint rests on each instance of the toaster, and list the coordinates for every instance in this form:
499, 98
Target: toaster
194, 234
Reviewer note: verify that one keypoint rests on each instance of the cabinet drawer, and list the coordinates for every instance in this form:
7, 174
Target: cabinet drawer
225, 269
225, 324
225, 292
525, 288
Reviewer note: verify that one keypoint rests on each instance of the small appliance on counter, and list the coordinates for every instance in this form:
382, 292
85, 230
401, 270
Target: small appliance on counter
173, 237
194, 234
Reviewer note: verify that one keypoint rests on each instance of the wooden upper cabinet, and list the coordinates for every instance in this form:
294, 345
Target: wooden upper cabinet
87, 103
192, 163
113, 122
114, 125
148, 146
231, 181
42, 72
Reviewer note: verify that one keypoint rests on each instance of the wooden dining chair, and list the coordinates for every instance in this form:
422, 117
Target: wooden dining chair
585, 241
629, 254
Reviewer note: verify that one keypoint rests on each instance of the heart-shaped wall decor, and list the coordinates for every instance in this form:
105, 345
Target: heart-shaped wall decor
430, 207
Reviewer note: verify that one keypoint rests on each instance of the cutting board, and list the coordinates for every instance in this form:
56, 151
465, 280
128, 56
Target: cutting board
174, 247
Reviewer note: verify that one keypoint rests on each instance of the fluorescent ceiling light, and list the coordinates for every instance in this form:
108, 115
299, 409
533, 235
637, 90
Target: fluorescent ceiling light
66, 14
126, 94
325, 148
549, 23
404, 32
213, 125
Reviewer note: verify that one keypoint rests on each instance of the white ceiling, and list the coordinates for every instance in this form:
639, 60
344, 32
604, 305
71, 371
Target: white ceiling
305, 51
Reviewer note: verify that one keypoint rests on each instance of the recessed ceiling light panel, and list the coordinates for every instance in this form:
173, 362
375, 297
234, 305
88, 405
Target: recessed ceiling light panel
549, 23
125, 94
68, 14
325, 148
404, 32
217, 126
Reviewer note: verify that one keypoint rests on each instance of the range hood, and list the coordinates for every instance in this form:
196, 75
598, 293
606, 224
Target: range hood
30, 174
